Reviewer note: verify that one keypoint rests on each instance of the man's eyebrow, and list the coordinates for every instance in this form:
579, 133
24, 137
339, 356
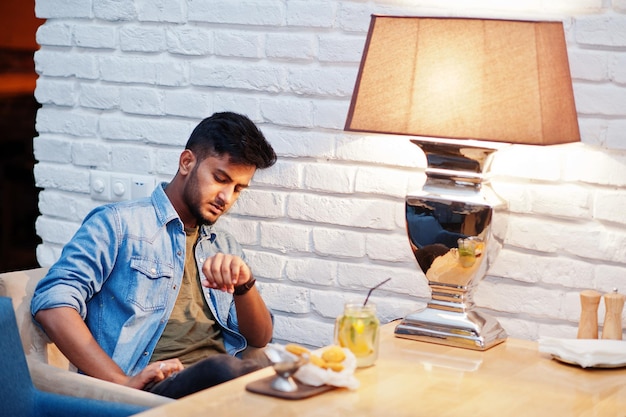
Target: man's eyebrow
229, 178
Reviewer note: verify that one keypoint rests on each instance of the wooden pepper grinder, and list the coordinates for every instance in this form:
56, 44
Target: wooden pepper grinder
588, 326
614, 303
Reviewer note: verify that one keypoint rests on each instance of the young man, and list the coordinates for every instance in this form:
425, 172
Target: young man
149, 293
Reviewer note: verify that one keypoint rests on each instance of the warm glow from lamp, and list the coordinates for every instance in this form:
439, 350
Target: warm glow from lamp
495, 80
453, 78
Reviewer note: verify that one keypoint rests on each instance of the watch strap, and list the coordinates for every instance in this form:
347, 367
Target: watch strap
244, 288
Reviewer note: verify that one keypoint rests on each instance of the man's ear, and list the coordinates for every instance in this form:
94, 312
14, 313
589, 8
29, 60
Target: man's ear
186, 162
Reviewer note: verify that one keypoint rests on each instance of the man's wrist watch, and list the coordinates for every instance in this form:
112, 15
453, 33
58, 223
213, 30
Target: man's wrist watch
244, 288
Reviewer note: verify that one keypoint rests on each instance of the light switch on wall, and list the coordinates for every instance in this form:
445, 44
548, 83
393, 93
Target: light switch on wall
106, 186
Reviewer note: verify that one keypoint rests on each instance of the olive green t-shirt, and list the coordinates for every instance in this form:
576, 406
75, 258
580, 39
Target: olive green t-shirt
191, 333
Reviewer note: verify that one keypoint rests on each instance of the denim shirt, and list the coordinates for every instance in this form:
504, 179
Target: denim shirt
122, 271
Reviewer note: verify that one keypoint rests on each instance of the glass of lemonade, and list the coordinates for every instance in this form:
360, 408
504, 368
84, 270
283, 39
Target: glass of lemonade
358, 330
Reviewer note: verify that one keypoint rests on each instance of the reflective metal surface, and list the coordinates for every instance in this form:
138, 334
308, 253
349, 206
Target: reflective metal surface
449, 225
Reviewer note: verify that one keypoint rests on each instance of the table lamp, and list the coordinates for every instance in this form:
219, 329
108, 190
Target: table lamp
461, 88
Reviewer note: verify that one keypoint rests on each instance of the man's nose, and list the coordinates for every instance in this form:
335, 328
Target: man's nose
227, 194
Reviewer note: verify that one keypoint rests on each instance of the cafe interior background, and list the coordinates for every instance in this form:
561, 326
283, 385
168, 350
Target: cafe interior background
120, 84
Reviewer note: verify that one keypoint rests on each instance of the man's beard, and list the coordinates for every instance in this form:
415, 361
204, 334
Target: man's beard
190, 198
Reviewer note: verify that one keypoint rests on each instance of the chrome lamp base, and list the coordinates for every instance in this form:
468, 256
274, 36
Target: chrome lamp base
472, 330
450, 230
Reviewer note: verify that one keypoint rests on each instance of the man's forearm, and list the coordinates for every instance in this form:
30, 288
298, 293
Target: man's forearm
68, 331
255, 322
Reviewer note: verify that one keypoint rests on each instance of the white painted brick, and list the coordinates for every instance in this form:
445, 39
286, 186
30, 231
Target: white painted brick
286, 298
52, 149
187, 103
171, 11
381, 181
62, 64
531, 268
505, 297
308, 332
238, 43
313, 271
140, 100
91, 154
284, 174
338, 243
166, 161
301, 143
54, 33
245, 231
99, 96
601, 30
330, 114
261, 203
609, 206
615, 138
608, 277
329, 304
172, 73
530, 162
287, 112
353, 17
593, 131
333, 82
128, 69
333, 48
50, 9
54, 230
589, 65
389, 248
249, 77
595, 166
285, 238
548, 199
189, 40
266, 265
59, 92
600, 99
239, 103
292, 46
329, 177
157, 131
93, 36
317, 14
114, 10
129, 158
362, 277
142, 39
47, 255
266, 12
376, 214
74, 122
61, 177
56, 204
380, 149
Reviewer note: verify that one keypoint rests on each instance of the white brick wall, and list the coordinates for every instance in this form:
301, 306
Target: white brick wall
123, 82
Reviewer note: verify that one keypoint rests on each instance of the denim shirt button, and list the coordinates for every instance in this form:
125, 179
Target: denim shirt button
145, 354
179, 253
153, 270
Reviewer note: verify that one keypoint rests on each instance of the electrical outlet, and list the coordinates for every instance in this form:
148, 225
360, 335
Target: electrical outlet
100, 185
141, 186
120, 187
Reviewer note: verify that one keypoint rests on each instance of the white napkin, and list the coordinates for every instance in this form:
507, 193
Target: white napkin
586, 352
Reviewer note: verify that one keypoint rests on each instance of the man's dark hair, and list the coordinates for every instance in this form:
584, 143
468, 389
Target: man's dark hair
234, 135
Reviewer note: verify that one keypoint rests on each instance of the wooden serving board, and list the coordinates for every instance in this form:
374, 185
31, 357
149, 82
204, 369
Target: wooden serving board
263, 386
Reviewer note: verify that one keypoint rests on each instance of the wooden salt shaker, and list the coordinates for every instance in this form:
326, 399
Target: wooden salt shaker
614, 304
588, 326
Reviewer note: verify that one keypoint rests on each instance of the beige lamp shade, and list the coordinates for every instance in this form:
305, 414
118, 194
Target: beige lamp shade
461, 78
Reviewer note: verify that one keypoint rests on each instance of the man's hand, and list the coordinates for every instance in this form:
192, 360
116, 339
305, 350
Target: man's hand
155, 372
224, 272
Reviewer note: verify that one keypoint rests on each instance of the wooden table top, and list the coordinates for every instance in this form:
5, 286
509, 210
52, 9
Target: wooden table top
414, 378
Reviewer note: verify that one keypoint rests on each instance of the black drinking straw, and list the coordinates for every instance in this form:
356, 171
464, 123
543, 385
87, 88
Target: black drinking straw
372, 289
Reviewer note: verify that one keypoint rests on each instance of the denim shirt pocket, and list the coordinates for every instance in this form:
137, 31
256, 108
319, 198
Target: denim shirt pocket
149, 283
